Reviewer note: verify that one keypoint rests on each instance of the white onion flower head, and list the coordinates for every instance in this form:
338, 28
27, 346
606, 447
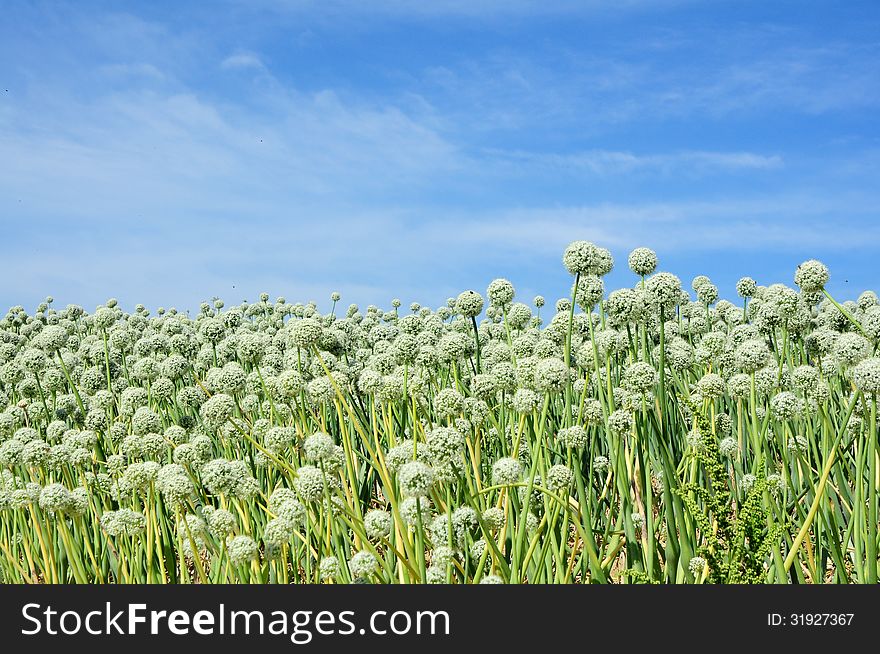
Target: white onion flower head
328, 568
620, 422
232, 478
55, 498
415, 479
707, 293
640, 377
559, 478
305, 332
728, 447
643, 261
746, 287
585, 258
378, 524
123, 522
284, 504
665, 289
866, 375
574, 437
525, 401
242, 549
551, 374
850, 348
811, 276
217, 409
138, 476
589, 291
444, 443
309, 483
442, 556
319, 447
785, 406
500, 292
174, 484
469, 304
506, 471
697, 565
221, 522
363, 564
434, 574
711, 385
494, 517
413, 509
277, 533
752, 355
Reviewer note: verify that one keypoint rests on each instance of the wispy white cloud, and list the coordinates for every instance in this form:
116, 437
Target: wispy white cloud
614, 162
133, 70
242, 60
599, 91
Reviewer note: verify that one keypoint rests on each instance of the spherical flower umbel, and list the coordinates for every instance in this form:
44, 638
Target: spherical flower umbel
711, 385
866, 375
415, 479
469, 304
309, 483
123, 522
851, 348
559, 478
550, 374
664, 289
500, 292
328, 568
585, 258
574, 437
696, 565
319, 447
728, 447
378, 524
229, 477
506, 471
242, 550
54, 498
363, 564
217, 409
444, 443
305, 333
785, 406
640, 377
752, 355
221, 522
811, 276
174, 484
448, 402
277, 533
746, 287
589, 291
620, 422
642, 261
525, 400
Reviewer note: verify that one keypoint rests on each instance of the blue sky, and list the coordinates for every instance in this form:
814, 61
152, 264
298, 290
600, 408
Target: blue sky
167, 152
